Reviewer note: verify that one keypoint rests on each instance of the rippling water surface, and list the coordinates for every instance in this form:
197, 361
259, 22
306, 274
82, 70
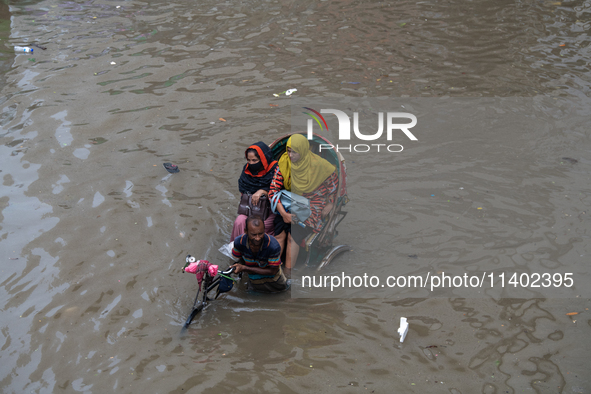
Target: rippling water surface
93, 231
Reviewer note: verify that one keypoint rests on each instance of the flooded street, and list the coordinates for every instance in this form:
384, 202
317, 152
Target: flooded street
94, 231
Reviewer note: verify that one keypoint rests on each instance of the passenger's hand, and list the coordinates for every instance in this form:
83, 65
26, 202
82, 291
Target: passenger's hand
287, 218
255, 197
327, 208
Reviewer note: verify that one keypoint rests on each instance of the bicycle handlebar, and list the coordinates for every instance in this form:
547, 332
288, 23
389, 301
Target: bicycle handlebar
228, 271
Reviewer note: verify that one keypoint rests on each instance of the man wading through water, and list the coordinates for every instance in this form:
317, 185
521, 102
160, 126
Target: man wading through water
259, 255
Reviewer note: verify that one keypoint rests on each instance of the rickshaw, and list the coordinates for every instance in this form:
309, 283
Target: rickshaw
320, 250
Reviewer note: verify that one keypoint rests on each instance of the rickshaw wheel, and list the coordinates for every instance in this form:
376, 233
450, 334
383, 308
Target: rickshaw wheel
331, 254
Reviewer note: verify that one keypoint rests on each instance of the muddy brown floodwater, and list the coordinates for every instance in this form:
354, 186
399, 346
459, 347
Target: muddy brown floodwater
94, 231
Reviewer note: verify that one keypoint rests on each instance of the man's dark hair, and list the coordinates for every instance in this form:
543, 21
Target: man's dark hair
256, 221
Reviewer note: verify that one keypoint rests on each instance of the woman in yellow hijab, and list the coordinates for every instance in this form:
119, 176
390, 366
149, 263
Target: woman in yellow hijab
305, 173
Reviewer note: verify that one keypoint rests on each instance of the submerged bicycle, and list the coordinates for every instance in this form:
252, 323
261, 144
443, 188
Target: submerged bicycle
211, 279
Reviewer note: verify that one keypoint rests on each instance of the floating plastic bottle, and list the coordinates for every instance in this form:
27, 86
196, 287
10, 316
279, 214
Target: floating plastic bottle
23, 49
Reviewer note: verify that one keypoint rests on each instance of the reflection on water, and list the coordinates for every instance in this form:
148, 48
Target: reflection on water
94, 231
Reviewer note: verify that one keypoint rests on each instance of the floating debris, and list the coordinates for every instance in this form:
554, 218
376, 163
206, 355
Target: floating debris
403, 330
570, 160
23, 49
172, 168
288, 92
